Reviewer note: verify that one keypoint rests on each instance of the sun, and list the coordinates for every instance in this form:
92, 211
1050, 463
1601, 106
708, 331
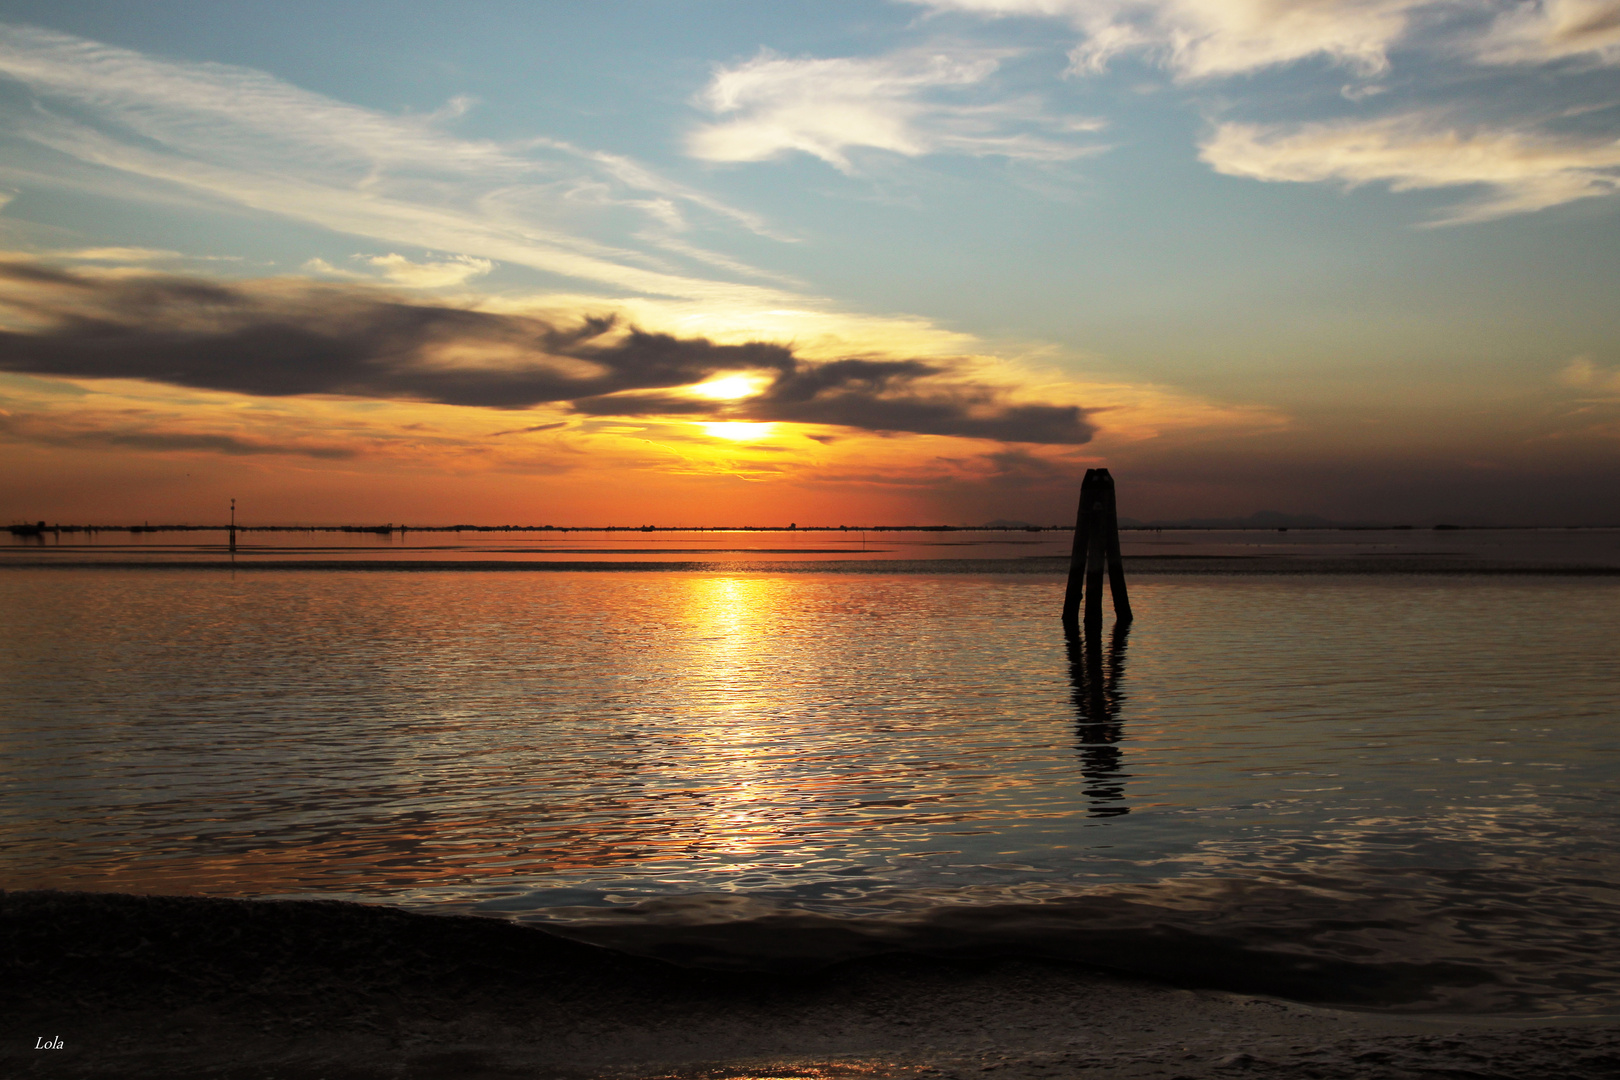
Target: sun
736, 431
728, 387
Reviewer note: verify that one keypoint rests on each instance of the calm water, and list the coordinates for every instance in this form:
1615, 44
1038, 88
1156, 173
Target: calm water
1591, 547
1393, 791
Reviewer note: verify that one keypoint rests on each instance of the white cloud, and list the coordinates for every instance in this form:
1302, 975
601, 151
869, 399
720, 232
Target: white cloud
456, 270
1539, 32
231, 134
826, 107
398, 270
1521, 171
118, 254
1204, 38
1581, 374
323, 268
1201, 38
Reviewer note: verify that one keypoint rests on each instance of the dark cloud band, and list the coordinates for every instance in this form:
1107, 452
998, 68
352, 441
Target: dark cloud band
280, 339
34, 428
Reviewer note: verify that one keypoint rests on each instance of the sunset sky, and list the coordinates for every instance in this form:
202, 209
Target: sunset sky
902, 261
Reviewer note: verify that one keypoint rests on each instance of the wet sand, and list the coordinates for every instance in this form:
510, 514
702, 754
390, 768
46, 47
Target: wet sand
179, 987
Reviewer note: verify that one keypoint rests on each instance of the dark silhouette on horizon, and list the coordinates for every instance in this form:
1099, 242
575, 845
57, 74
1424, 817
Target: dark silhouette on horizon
1096, 546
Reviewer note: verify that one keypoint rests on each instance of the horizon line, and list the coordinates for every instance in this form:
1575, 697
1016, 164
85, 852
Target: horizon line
1190, 524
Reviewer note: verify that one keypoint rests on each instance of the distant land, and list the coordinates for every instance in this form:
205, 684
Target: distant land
1260, 519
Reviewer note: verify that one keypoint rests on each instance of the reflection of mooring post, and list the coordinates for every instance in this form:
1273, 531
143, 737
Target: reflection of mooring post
233, 524
1096, 543
1098, 699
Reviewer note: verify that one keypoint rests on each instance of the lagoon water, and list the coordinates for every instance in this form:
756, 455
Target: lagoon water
1392, 791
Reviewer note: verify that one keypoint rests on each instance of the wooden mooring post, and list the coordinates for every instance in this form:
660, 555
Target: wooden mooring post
1096, 545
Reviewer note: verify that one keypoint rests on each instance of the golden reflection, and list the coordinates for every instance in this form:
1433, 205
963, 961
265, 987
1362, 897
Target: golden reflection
742, 751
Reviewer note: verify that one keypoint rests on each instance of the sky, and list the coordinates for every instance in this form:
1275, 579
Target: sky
898, 261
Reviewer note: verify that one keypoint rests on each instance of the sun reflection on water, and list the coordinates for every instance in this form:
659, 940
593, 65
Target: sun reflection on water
736, 647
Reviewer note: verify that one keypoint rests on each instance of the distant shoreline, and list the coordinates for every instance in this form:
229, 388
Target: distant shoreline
38, 528
1147, 565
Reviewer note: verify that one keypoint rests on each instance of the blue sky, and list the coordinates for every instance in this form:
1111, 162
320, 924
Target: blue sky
1348, 257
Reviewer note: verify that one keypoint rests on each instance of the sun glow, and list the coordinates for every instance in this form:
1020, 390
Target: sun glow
729, 387
736, 431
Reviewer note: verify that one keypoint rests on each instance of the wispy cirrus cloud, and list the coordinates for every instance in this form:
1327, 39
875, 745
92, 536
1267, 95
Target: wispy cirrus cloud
912, 102
232, 134
1199, 39
1520, 171
1549, 30
1206, 38
1523, 164
118, 254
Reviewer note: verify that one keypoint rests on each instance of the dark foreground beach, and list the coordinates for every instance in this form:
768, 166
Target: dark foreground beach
174, 987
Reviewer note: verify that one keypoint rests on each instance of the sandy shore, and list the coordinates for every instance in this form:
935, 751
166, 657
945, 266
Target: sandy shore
178, 987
